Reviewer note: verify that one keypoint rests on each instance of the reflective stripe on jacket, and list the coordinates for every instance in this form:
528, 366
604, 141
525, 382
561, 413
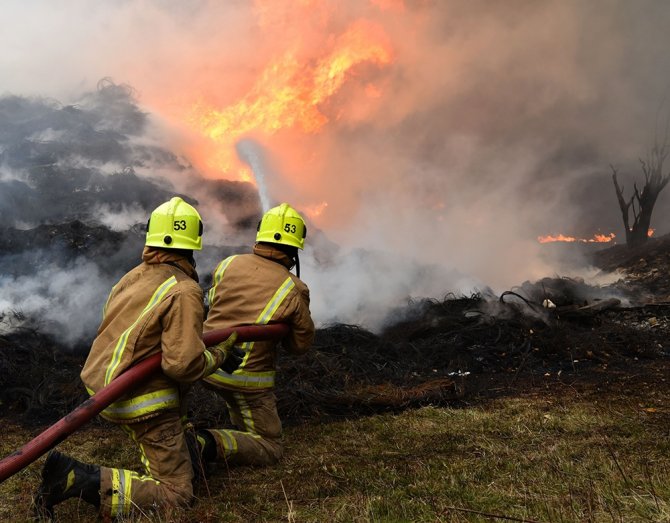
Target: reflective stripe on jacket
257, 289
156, 307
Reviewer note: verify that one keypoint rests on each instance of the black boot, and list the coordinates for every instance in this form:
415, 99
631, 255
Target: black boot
64, 477
202, 449
207, 445
196, 458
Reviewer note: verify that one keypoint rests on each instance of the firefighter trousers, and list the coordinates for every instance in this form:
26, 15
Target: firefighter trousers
258, 440
168, 474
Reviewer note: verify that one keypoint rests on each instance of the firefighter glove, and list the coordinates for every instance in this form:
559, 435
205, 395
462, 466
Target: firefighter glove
234, 360
223, 350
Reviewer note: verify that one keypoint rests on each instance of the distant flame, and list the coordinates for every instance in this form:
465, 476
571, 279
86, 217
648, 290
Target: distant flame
597, 238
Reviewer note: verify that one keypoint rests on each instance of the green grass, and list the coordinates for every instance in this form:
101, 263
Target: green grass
557, 458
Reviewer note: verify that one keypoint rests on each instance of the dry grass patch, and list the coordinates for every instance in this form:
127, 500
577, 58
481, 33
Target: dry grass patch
533, 459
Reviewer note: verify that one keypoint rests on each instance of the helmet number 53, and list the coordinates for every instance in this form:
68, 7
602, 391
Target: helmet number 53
179, 225
289, 227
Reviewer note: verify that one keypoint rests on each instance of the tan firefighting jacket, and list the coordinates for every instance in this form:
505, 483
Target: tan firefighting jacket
257, 289
156, 307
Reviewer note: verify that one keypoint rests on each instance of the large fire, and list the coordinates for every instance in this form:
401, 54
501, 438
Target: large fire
291, 90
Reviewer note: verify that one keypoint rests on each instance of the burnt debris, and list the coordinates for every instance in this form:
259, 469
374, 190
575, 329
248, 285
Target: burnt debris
446, 351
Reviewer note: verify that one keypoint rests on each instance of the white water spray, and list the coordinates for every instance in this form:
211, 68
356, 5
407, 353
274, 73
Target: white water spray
251, 153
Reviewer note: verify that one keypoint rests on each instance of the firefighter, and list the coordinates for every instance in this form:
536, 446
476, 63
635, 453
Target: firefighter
156, 307
257, 288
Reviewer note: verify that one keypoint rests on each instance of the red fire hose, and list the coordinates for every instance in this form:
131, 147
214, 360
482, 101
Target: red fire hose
120, 385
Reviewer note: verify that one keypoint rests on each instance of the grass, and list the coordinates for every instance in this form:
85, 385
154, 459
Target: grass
559, 458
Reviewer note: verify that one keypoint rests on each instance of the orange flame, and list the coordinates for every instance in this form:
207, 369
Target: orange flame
315, 210
602, 238
290, 93
597, 238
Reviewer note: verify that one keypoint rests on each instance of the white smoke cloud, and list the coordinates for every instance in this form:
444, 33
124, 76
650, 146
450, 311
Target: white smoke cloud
121, 219
374, 283
64, 302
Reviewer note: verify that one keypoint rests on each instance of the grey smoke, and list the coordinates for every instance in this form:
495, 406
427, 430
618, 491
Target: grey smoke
56, 159
77, 184
360, 278
62, 301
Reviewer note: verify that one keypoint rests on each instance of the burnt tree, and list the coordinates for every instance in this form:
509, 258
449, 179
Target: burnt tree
641, 203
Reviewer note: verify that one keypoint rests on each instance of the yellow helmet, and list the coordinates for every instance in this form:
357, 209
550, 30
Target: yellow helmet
175, 225
282, 224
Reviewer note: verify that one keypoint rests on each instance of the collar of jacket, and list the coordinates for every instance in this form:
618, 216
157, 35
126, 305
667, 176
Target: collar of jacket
269, 252
153, 255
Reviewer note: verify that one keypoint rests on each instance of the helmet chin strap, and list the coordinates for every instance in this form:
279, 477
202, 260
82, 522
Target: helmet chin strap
297, 265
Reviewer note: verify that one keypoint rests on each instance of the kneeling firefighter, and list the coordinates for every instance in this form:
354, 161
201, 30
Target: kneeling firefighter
157, 307
250, 289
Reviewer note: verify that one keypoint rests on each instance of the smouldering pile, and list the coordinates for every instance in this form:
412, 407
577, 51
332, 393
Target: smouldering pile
443, 351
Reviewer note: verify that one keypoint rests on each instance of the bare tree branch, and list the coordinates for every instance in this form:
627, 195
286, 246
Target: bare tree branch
641, 203
623, 205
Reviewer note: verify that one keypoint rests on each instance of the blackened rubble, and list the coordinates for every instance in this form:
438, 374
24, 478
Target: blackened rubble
646, 269
443, 351
112, 251
462, 349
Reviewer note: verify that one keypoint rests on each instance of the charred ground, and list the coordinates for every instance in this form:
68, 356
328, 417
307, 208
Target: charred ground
454, 350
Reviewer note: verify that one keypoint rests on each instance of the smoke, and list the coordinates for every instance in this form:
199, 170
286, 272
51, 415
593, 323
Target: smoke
77, 184
122, 219
490, 124
63, 300
376, 286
